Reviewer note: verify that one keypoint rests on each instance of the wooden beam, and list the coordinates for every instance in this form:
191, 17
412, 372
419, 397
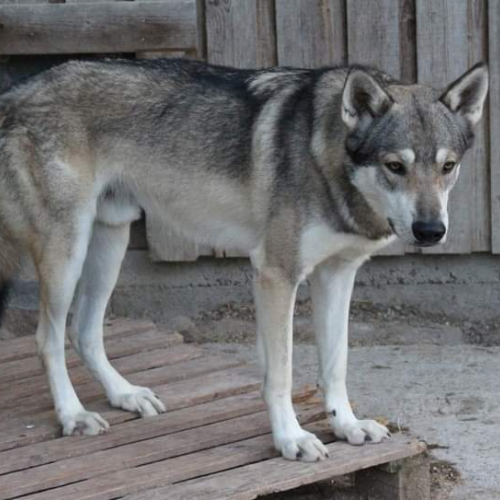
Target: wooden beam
494, 51
95, 27
311, 33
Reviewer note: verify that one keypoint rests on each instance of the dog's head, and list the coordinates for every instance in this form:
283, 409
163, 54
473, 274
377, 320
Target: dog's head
405, 144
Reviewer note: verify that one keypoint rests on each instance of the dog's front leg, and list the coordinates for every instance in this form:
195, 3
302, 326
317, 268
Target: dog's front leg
331, 289
274, 301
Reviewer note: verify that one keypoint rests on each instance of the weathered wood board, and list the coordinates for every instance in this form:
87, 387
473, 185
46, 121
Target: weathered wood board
213, 442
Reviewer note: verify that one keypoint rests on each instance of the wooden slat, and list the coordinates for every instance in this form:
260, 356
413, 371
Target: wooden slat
479, 156
241, 33
311, 33
374, 34
408, 41
146, 452
12, 393
443, 52
130, 432
277, 474
24, 347
494, 96
93, 28
374, 38
33, 428
115, 347
152, 377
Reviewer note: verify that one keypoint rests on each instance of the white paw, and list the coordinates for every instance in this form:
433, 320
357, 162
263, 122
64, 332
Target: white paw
303, 446
359, 432
139, 400
84, 423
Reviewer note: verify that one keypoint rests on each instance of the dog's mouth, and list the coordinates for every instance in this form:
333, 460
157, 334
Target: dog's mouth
408, 238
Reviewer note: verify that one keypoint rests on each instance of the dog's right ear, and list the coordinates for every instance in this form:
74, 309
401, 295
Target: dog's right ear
363, 99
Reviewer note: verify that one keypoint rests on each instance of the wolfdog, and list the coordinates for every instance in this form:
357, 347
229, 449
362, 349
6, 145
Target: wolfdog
308, 171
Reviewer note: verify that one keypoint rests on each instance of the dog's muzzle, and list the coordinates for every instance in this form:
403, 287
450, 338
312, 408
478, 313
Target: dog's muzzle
428, 233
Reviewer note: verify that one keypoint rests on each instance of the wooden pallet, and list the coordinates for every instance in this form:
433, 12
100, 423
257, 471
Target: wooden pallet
213, 443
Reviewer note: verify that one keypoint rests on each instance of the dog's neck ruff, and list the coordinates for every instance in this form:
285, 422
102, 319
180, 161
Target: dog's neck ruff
357, 213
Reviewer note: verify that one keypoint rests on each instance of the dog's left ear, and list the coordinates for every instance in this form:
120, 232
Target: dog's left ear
466, 95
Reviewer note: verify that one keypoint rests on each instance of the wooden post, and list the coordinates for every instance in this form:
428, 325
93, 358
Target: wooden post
407, 479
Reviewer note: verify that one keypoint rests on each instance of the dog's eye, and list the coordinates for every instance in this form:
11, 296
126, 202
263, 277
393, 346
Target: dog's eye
449, 166
395, 167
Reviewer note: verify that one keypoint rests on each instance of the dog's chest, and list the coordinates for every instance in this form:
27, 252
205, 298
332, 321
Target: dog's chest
319, 242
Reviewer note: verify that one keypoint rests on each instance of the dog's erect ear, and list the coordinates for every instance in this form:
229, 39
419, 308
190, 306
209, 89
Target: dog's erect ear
363, 99
466, 95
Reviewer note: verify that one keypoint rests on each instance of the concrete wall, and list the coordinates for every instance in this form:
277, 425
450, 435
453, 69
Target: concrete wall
465, 287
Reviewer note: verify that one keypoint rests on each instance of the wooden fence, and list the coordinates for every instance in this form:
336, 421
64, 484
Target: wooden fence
429, 41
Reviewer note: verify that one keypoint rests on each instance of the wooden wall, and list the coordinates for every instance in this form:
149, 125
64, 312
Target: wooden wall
429, 41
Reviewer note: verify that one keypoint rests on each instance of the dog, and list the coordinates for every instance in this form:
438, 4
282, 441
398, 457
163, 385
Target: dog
309, 171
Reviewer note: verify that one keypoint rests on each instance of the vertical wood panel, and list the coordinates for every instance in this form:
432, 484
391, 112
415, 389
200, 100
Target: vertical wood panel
479, 157
374, 38
311, 33
408, 40
165, 244
494, 55
373, 35
241, 33
449, 34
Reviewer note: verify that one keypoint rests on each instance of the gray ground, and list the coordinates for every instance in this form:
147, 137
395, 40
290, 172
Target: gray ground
437, 377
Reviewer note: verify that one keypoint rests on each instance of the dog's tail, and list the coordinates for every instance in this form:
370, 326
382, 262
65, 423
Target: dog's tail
9, 265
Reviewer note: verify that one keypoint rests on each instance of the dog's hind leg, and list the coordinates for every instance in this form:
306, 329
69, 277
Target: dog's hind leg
274, 301
331, 289
59, 260
100, 273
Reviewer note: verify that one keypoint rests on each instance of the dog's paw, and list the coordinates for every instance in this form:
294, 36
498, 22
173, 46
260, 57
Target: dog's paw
303, 446
360, 432
139, 400
84, 423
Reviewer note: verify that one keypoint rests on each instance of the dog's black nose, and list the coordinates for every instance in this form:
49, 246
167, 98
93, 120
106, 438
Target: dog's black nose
428, 233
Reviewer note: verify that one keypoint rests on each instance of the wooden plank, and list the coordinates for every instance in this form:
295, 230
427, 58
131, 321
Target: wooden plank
145, 452
141, 479
408, 41
133, 431
311, 33
27, 429
374, 34
24, 347
12, 393
20, 2
443, 51
246, 483
154, 377
93, 28
374, 38
494, 115
478, 158
130, 432
91, 390
240, 33
115, 348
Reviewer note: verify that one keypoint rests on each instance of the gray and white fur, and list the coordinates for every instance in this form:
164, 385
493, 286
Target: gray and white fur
309, 171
